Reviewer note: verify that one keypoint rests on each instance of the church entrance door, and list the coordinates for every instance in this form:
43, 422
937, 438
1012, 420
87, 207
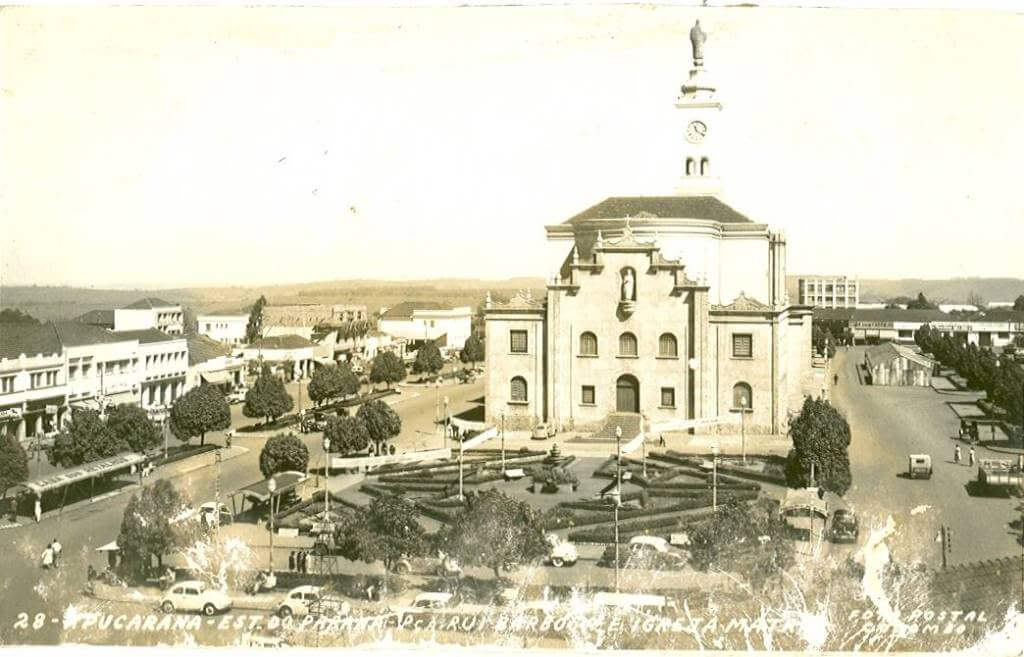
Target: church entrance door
627, 394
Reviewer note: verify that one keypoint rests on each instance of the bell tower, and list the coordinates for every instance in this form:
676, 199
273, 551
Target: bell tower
699, 108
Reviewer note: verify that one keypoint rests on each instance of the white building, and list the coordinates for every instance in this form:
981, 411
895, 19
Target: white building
958, 308
829, 291
163, 366
33, 381
419, 321
281, 349
210, 361
229, 329
103, 368
150, 313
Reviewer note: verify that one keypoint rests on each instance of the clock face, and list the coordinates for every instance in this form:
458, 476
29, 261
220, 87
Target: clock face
696, 131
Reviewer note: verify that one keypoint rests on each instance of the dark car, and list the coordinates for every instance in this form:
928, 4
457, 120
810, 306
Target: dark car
844, 527
639, 555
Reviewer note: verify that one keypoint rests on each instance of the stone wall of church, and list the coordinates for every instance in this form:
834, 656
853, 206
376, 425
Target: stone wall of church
503, 366
735, 370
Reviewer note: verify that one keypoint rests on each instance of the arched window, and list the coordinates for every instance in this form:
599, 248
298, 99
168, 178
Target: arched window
704, 166
742, 397
691, 166
667, 346
518, 389
627, 344
588, 344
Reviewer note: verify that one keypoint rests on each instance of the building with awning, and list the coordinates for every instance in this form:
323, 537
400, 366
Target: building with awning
281, 349
210, 361
33, 380
259, 492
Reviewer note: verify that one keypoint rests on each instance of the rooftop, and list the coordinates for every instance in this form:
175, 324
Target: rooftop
76, 334
674, 207
888, 351
97, 317
146, 336
149, 303
28, 339
405, 309
202, 349
898, 315
281, 342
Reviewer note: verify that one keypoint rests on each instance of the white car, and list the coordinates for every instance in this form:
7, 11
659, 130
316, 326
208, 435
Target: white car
563, 553
194, 595
307, 599
433, 600
237, 396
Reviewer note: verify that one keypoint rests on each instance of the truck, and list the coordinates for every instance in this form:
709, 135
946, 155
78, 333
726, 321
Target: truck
999, 476
920, 466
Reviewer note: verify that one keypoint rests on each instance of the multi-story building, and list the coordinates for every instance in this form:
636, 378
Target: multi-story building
987, 328
829, 291
303, 318
103, 367
210, 361
226, 328
419, 321
673, 307
33, 381
280, 350
162, 366
150, 313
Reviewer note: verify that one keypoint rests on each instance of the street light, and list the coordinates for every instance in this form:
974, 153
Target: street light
714, 477
271, 487
327, 477
503, 443
618, 497
743, 410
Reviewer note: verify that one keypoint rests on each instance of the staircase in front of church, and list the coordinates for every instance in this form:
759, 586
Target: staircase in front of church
629, 422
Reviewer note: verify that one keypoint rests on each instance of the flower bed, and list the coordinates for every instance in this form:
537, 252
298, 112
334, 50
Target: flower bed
598, 517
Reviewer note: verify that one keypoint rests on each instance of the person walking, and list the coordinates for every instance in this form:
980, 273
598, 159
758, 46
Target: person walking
291, 561
661, 440
970, 456
47, 558
956, 455
301, 561
835, 380
56, 547
39, 509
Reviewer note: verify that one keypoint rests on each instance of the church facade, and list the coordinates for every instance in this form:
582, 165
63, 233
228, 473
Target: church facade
670, 307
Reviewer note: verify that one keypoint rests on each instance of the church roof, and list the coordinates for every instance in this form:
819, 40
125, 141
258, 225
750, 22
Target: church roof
674, 207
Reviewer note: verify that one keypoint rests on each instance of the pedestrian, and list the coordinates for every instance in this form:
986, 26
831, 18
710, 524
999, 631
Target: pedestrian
970, 456
369, 592
291, 561
47, 558
661, 440
835, 380
39, 509
302, 561
90, 574
56, 547
956, 455
1020, 462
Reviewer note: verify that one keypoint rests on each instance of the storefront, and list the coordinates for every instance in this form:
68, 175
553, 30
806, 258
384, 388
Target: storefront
10, 421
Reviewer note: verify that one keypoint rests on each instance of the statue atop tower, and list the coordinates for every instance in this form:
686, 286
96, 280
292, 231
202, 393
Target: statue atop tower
697, 39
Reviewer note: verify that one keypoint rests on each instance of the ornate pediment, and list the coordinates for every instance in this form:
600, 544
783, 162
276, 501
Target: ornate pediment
744, 303
628, 240
523, 300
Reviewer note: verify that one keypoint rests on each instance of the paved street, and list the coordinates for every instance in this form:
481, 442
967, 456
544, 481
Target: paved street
887, 424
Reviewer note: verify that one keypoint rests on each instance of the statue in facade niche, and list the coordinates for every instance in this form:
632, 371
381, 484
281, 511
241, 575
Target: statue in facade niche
697, 39
628, 285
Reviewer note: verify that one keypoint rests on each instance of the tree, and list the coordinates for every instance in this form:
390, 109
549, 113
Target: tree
428, 359
268, 397
288, 369
347, 434
732, 540
189, 321
472, 350
254, 329
200, 410
148, 528
976, 300
86, 439
1018, 303
15, 316
381, 421
13, 463
388, 529
348, 382
495, 530
921, 303
282, 453
387, 368
131, 424
821, 437
324, 384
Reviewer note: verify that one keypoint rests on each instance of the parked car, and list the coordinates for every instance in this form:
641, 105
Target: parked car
194, 595
843, 528
649, 552
315, 421
920, 466
308, 599
543, 431
434, 600
237, 396
563, 553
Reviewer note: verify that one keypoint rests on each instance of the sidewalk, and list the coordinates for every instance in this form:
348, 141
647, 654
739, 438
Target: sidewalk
679, 442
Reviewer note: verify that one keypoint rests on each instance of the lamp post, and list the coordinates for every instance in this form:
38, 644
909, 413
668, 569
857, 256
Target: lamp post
327, 478
744, 401
447, 425
216, 492
503, 443
437, 410
271, 487
618, 497
714, 477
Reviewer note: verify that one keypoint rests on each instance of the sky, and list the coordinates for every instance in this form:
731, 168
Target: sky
169, 147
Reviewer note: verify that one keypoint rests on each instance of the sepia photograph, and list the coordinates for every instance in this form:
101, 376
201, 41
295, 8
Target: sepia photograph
514, 329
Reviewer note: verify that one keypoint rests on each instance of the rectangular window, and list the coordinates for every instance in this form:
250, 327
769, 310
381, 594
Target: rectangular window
517, 340
668, 397
742, 345
7, 384
36, 380
588, 395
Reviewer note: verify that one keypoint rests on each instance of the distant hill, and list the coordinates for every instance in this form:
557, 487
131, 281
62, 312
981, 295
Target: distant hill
940, 290
68, 302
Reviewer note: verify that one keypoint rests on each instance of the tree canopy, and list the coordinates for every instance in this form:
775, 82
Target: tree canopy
347, 434
472, 350
254, 329
388, 529
1018, 303
147, 529
282, 453
921, 303
200, 410
85, 439
742, 537
387, 368
131, 424
428, 359
13, 463
332, 381
821, 436
15, 316
494, 530
381, 421
268, 398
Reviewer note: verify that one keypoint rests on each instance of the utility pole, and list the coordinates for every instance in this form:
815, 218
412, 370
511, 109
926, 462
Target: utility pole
714, 477
946, 539
503, 443
618, 497
216, 492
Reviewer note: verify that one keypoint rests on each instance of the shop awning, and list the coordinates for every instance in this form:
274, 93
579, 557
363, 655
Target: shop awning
86, 404
216, 378
83, 472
